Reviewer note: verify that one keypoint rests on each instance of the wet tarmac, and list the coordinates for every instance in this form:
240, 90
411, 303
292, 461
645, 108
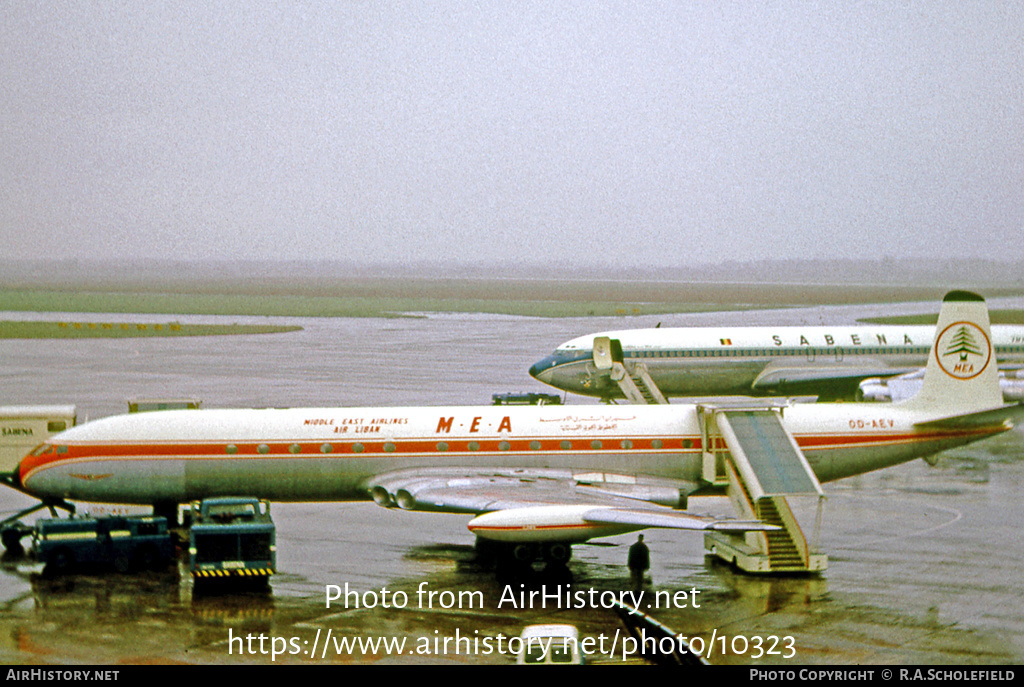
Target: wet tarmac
923, 561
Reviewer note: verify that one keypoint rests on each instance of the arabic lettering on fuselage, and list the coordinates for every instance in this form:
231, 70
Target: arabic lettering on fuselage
577, 419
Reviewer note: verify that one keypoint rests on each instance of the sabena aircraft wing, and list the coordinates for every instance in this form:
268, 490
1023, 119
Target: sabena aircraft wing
841, 376
552, 503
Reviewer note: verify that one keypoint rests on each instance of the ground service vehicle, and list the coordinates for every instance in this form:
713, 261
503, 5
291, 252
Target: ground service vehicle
232, 538
24, 427
531, 398
127, 543
549, 644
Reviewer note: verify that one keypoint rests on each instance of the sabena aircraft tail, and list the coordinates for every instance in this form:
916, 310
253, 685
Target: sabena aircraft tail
961, 380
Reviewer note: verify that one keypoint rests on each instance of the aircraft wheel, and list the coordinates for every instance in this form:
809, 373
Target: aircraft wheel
514, 562
524, 553
558, 552
488, 551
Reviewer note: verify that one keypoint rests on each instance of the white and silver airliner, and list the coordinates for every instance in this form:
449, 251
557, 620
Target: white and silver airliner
847, 362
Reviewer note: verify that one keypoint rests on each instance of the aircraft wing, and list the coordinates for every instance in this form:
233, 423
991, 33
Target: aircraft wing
840, 379
679, 521
549, 504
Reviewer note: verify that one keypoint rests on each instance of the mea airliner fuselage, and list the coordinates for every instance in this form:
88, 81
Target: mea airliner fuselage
335, 454
757, 361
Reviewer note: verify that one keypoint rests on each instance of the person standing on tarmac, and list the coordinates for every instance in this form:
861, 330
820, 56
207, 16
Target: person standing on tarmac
639, 561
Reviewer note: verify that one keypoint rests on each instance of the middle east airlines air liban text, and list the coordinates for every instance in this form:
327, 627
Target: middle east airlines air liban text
559, 596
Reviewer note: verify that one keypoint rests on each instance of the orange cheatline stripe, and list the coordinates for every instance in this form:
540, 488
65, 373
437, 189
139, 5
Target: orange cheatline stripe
375, 449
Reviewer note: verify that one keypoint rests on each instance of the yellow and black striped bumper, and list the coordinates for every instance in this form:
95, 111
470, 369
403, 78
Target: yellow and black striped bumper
244, 572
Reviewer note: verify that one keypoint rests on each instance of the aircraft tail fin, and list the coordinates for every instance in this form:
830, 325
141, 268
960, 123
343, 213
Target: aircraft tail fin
961, 376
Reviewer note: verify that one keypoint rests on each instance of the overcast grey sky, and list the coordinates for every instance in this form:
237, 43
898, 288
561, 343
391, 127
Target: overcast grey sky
668, 133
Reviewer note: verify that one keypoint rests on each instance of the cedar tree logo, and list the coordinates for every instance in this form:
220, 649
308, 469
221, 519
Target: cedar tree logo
963, 351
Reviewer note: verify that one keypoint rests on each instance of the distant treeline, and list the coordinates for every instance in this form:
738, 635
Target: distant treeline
332, 289
121, 330
305, 275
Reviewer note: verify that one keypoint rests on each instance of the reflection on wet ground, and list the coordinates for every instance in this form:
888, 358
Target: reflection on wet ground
923, 567
923, 561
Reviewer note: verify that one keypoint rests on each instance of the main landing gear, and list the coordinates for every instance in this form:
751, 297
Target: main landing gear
545, 562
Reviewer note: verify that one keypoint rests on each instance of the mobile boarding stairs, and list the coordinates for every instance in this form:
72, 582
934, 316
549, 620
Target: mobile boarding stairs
750, 452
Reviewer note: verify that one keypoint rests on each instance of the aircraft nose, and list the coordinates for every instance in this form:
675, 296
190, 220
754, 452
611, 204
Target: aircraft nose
541, 369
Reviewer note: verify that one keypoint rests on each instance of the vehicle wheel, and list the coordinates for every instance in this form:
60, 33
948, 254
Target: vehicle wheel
11, 539
147, 558
60, 562
121, 563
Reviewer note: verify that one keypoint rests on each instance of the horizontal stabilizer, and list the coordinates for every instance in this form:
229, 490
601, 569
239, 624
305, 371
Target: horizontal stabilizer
982, 418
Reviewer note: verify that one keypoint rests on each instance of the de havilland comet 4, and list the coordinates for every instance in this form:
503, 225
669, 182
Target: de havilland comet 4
538, 476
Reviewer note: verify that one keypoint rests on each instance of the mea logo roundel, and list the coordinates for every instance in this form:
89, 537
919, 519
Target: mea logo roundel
962, 350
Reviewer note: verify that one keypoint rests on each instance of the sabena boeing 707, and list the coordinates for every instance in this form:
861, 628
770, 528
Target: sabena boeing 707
832, 363
537, 478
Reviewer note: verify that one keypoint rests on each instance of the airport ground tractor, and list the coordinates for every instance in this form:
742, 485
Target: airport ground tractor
232, 540
125, 543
